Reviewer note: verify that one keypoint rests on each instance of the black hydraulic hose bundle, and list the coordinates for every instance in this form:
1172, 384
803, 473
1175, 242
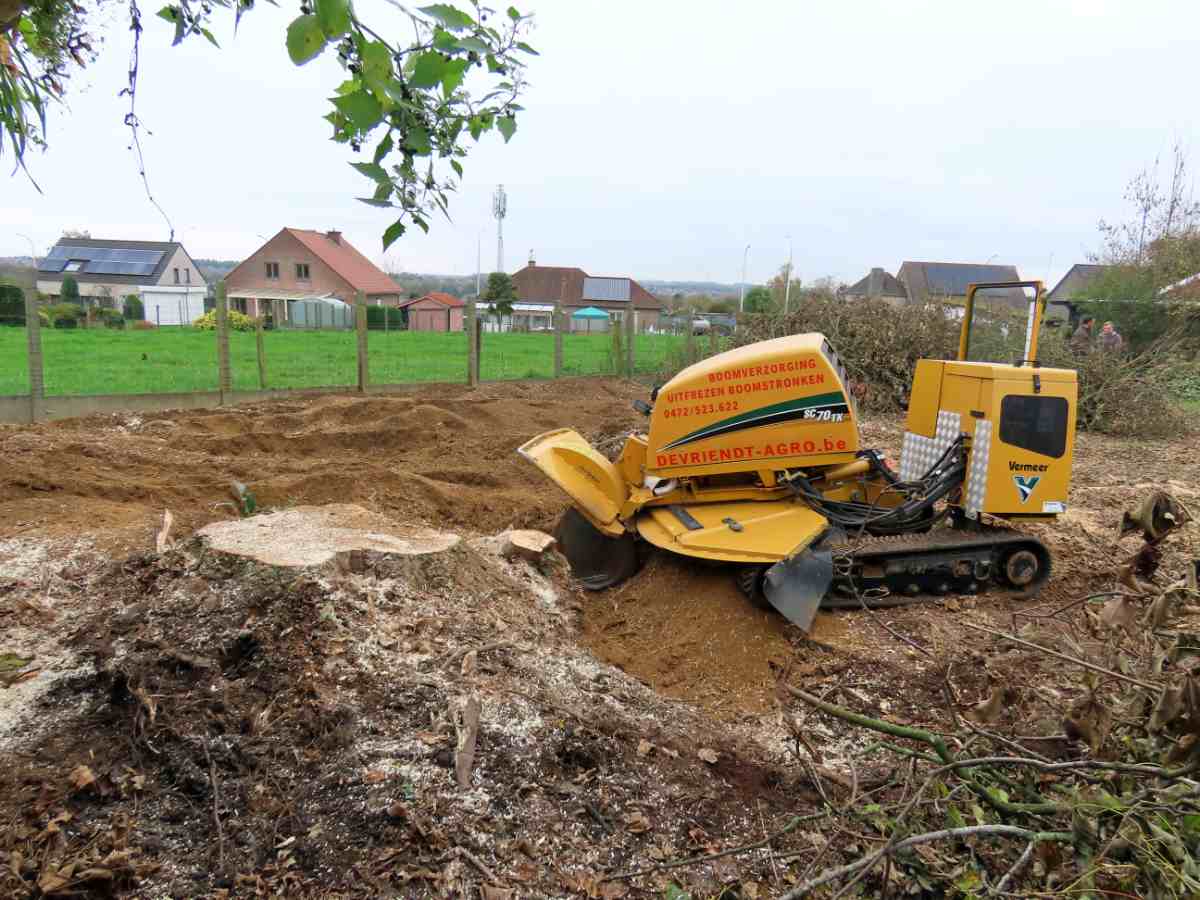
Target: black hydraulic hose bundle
945, 475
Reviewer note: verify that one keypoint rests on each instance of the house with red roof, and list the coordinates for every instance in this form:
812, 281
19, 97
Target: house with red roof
436, 311
298, 265
539, 288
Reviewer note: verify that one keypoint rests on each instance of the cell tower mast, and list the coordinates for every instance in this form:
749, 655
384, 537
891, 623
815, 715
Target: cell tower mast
499, 210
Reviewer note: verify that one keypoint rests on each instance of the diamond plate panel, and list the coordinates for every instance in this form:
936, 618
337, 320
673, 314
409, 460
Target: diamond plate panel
981, 448
918, 453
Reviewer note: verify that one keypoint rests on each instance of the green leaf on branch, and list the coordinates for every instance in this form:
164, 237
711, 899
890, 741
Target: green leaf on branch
427, 70
33, 40
384, 147
451, 17
507, 126
334, 16
393, 233
361, 109
374, 171
457, 167
417, 140
376, 63
513, 14
521, 45
473, 43
444, 40
371, 201
304, 39
456, 69
212, 40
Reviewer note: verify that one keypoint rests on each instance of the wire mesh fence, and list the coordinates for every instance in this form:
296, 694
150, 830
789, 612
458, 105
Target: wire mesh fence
374, 347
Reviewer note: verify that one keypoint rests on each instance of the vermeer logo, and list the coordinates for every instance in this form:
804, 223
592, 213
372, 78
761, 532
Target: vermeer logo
1025, 485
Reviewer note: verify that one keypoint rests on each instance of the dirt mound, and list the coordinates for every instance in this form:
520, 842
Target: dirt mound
442, 454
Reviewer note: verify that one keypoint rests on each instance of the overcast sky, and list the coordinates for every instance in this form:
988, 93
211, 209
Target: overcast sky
662, 137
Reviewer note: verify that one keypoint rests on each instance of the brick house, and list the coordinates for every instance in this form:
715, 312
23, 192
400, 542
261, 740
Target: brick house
435, 311
160, 273
297, 264
540, 287
877, 284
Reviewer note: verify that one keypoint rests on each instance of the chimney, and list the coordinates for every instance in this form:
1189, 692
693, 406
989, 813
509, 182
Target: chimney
335, 236
875, 283
532, 262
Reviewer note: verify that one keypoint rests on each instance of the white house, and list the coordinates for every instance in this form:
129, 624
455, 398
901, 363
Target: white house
160, 273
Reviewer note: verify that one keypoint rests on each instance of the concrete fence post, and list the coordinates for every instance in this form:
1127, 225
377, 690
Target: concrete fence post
262, 353
713, 341
618, 356
630, 335
33, 337
360, 326
559, 324
472, 345
224, 378
689, 343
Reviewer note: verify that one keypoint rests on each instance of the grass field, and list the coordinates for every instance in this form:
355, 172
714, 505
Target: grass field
102, 361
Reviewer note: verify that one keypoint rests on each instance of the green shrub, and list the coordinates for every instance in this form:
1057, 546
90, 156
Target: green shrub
386, 317
62, 315
132, 307
70, 290
12, 305
237, 321
112, 318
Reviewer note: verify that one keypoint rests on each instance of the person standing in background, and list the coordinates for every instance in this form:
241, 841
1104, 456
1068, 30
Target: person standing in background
1081, 340
1110, 340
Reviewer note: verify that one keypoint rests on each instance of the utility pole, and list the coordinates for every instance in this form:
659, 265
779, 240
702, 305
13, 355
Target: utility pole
787, 286
742, 296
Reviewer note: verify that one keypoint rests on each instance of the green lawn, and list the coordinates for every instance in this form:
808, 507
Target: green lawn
103, 361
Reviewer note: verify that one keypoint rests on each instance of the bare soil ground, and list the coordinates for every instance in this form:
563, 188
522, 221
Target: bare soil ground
191, 723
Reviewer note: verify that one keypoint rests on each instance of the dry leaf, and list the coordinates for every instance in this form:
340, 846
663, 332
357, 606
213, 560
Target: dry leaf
637, 823
674, 754
708, 755
1088, 720
613, 890
82, 777
470, 663
989, 710
1120, 612
644, 748
374, 776
491, 892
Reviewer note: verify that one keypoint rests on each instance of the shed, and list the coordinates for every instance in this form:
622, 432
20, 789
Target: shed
436, 311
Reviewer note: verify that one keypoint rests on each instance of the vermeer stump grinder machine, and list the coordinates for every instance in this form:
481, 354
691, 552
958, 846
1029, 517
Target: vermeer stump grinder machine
752, 458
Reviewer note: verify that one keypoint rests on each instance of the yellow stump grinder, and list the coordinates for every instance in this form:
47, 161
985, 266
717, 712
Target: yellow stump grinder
752, 458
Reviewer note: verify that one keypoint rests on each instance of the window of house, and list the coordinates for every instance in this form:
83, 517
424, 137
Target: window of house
302, 271
73, 266
272, 270
177, 276
187, 276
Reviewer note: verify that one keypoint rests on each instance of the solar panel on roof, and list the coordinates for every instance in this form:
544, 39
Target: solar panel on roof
52, 265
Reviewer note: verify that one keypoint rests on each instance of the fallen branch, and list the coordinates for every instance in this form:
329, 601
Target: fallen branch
732, 851
216, 788
1034, 837
468, 733
1071, 659
939, 747
1022, 861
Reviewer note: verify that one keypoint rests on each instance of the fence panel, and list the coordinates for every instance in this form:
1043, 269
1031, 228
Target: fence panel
398, 354
14, 353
